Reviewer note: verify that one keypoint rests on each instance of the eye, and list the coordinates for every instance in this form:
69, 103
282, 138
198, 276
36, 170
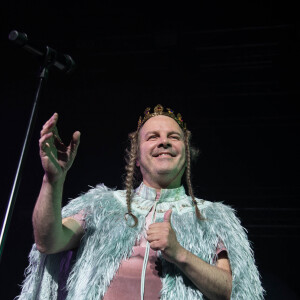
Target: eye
175, 137
152, 137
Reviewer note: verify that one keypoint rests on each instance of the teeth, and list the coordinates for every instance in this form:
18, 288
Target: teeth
164, 154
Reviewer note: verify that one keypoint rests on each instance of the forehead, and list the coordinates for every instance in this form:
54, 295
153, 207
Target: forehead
160, 123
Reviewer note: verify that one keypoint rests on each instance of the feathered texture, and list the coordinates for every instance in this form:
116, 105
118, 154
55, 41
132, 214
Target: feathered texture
108, 240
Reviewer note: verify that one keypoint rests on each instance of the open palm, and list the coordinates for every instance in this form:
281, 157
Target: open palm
56, 157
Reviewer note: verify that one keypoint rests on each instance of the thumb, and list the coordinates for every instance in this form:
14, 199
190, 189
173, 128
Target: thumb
75, 140
167, 216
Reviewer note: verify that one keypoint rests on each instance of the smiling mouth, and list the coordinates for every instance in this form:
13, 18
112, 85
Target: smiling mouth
164, 155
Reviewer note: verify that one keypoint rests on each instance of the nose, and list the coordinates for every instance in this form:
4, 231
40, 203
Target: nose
164, 143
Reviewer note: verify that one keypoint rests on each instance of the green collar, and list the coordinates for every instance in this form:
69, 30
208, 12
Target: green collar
166, 195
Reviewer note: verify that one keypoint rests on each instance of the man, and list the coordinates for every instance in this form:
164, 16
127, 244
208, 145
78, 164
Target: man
198, 247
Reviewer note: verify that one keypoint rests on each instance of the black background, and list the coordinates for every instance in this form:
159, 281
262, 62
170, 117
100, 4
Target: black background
231, 69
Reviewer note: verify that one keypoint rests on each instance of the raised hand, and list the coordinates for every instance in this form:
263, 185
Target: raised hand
55, 156
161, 236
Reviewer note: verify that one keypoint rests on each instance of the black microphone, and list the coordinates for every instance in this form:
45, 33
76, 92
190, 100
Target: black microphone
63, 62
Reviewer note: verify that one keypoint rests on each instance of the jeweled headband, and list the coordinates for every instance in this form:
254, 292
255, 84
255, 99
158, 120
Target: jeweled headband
158, 111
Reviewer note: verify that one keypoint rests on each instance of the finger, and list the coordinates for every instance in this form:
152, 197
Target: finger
155, 237
53, 117
157, 227
156, 245
49, 124
167, 216
45, 141
52, 121
75, 141
56, 134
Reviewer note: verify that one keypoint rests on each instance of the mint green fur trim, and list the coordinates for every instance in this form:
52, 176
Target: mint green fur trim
108, 240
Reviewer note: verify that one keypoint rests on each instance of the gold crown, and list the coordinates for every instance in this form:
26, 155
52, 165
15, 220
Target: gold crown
158, 111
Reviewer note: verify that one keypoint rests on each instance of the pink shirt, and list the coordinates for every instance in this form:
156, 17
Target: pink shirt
127, 281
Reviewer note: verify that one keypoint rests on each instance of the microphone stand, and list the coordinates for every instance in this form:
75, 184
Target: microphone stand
49, 60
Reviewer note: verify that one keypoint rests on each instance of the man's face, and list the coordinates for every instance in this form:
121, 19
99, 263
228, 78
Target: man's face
161, 152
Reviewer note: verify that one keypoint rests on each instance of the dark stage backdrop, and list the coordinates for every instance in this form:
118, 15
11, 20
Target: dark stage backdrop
232, 70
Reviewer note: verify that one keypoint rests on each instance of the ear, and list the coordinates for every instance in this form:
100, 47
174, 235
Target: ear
137, 163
